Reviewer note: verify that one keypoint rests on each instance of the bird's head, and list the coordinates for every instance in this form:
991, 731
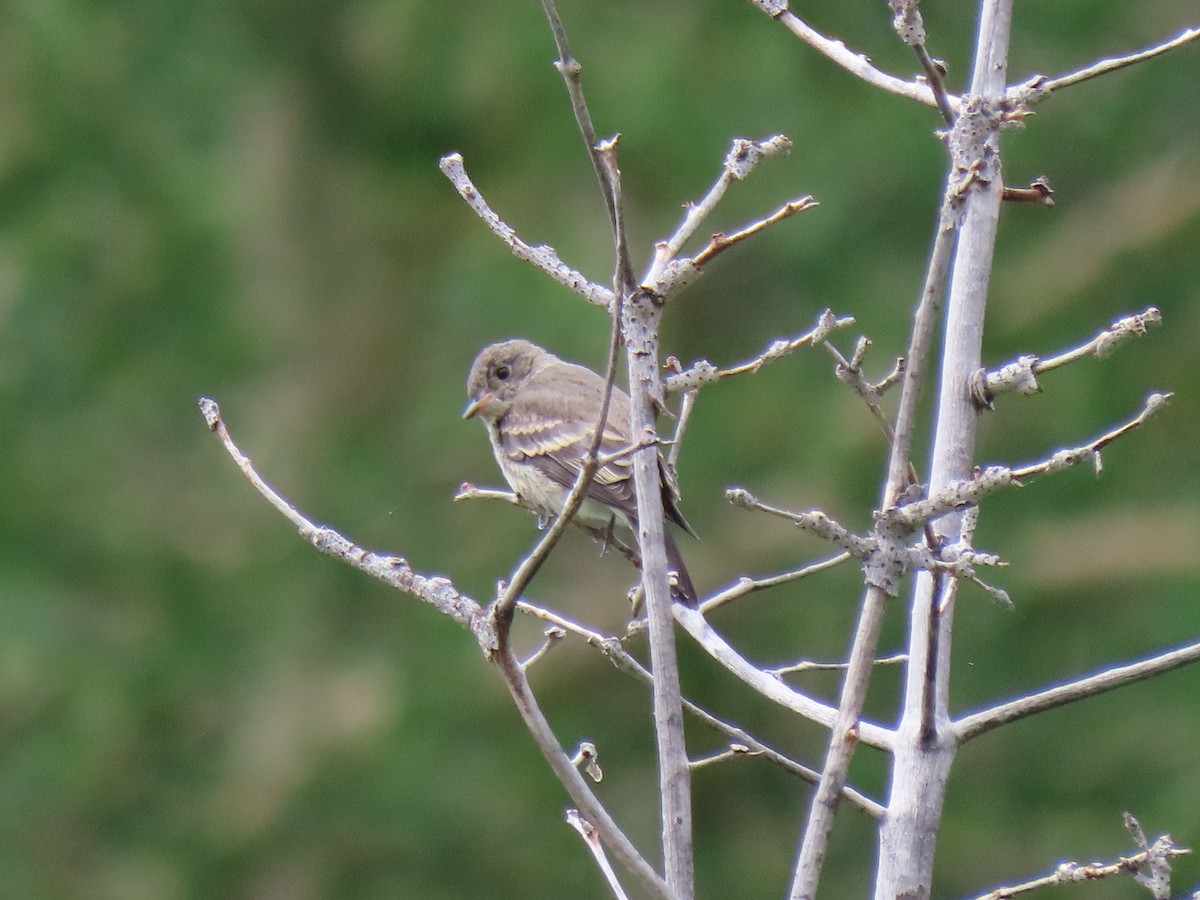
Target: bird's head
498, 373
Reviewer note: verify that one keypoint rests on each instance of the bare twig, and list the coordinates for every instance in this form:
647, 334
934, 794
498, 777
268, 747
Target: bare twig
746, 585
733, 751
686, 404
1065, 458
586, 756
849, 372
443, 596
564, 769
391, 570
957, 496
856, 63
1156, 858
741, 159
719, 243
625, 662
703, 372
972, 726
1039, 87
773, 689
636, 315
906, 19
1039, 193
468, 491
808, 665
1021, 375
544, 256
570, 70
592, 839
554, 637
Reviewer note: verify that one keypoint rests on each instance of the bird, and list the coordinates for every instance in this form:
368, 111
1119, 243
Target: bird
541, 414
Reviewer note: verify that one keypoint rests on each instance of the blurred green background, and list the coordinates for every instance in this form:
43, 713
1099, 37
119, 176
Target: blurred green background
242, 200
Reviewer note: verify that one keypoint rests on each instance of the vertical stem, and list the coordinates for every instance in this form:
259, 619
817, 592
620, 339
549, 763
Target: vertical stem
925, 745
642, 314
854, 689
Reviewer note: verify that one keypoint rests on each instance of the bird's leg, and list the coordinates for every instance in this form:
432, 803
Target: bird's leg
609, 535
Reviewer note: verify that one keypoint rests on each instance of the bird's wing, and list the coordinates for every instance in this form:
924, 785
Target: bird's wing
553, 434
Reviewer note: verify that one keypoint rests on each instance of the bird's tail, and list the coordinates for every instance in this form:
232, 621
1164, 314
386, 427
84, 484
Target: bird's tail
683, 588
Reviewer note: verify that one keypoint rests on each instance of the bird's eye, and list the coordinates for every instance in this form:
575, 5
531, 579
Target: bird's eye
502, 372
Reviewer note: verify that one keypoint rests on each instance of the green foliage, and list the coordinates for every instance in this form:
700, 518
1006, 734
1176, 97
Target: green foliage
242, 200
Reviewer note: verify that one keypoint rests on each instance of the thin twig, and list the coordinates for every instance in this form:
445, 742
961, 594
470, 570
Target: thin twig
975, 724
746, 584
850, 372
1021, 375
741, 159
856, 63
581, 792
1041, 86
624, 661
1156, 857
554, 637
592, 839
773, 689
391, 570
958, 496
639, 333
570, 69
605, 536
544, 256
719, 242
906, 20
442, 595
703, 372
808, 665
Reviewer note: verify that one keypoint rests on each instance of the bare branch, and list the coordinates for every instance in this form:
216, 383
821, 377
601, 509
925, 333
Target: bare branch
543, 256
686, 404
814, 522
807, 665
1065, 458
1039, 193
906, 20
624, 661
703, 372
554, 637
849, 372
741, 159
571, 69
564, 769
969, 727
722, 242
746, 585
468, 491
1022, 375
592, 839
394, 571
856, 63
772, 688
1156, 858
959, 496
1039, 87
442, 595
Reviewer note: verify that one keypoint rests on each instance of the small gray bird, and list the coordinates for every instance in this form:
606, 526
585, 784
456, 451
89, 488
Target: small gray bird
541, 415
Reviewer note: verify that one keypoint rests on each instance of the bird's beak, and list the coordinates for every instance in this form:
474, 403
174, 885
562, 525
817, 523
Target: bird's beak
475, 406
